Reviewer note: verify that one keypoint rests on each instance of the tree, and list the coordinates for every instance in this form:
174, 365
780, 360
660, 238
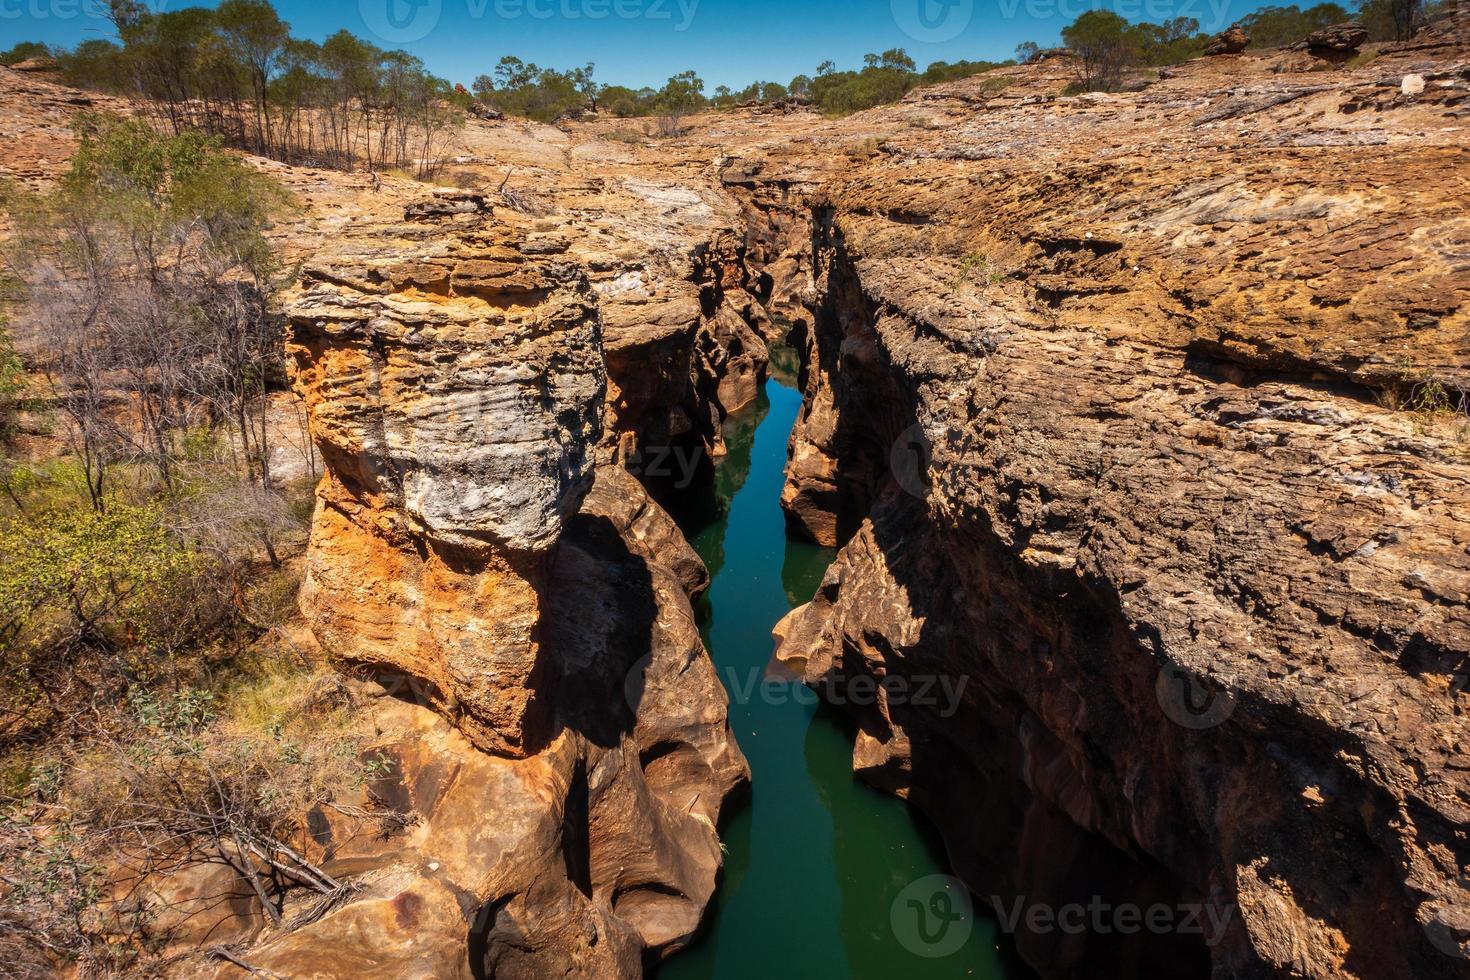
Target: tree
896, 58
1392, 20
511, 72
237, 73
682, 93
24, 51
1027, 50
1273, 27
1169, 43
583, 81
1104, 45
155, 290
257, 39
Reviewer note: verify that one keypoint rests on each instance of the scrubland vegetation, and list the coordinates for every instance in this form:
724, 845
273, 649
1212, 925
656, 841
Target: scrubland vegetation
153, 710
1105, 46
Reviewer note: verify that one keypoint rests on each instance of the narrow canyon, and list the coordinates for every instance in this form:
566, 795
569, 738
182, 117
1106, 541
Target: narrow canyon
1116, 540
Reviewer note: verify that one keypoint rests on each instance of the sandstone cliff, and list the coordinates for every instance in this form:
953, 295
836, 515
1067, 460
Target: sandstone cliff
1116, 405
1137, 412
468, 554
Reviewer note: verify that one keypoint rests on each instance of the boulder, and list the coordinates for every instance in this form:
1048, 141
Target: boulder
34, 65
1231, 41
1337, 39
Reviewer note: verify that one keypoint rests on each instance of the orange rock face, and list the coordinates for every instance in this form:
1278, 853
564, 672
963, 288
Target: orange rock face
455, 392
1111, 405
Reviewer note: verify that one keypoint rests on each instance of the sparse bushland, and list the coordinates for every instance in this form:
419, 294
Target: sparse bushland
547, 94
153, 713
884, 78
1386, 20
145, 320
24, 51
180, 778
1274, 27
1105, 46
236, 72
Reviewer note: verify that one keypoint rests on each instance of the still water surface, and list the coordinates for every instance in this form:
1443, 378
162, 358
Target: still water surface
816, 859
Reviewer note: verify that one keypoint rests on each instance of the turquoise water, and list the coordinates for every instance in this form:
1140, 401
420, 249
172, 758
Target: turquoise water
816, 859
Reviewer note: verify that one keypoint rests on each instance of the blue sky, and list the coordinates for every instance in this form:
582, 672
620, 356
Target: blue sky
636, 42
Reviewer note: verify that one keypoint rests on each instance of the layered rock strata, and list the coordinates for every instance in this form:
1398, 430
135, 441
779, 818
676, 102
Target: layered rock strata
1117, 407
565, 753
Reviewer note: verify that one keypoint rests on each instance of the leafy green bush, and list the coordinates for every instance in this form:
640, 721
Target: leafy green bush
24, 51
12, 381
73, 575
1274, 27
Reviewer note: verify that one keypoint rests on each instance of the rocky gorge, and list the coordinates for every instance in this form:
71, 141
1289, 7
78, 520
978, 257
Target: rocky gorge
1118, 407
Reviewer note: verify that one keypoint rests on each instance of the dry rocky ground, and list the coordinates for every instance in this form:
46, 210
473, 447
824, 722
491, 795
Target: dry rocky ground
1117, 404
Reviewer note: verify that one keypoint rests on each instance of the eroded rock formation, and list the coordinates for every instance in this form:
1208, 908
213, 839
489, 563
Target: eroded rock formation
1115, 420
566, 751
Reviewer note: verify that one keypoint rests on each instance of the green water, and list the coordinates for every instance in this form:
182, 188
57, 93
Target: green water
816, 859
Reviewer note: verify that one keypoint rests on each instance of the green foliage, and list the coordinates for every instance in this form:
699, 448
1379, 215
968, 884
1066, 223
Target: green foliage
1104, 45
1169, 43
183, 712
152, 183
944, 71
24, 51
1393, 20
682, 94
12, 380
74, 572
1274, 27
625, 102
236, 72
979, 269
94, 64
1432, 403
546, 94
884, 78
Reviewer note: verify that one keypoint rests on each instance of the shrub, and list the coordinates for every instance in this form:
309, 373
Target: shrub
1274, 27
1104, 45
24, 51
79, 575
12, 381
